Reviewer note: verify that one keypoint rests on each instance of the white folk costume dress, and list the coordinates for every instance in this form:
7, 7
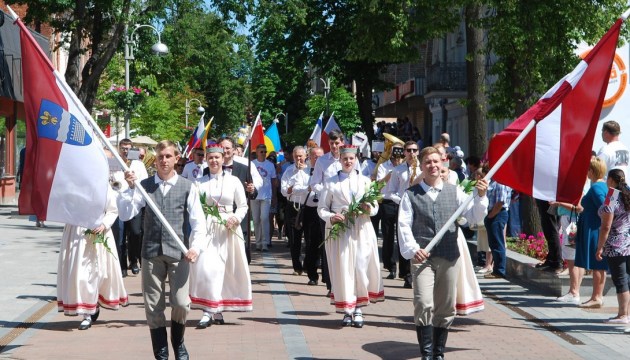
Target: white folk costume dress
220, 279
87, 274
353, 261
468, 299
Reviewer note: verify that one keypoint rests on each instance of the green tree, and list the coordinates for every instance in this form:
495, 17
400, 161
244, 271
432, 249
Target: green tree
534, 44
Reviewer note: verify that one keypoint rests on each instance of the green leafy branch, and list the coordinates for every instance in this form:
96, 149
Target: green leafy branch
213, 211
99, 239
355, 209
467, 185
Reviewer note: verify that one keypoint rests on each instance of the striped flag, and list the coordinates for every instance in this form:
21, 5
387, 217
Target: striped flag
552, 161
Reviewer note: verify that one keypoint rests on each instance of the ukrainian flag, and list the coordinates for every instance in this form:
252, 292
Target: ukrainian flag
272, 139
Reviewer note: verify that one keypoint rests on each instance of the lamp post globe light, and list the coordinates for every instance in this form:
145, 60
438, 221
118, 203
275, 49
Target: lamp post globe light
200, 109
326, 93
158, 48
286, 121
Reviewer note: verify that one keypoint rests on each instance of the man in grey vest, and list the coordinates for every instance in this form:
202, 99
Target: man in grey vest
178, 200
424, 209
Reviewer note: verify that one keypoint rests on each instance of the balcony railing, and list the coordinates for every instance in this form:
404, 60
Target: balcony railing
447, 77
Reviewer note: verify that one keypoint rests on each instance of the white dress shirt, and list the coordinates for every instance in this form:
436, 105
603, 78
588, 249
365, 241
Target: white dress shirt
474, 213
399, 182
299, 180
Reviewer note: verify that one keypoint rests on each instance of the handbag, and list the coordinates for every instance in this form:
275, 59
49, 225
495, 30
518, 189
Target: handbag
571, 230
299, 218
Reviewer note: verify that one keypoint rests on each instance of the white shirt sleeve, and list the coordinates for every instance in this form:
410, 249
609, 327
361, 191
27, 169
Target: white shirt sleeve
129, 202
476, 210
406, 240
317, 180
197, 220
285, 182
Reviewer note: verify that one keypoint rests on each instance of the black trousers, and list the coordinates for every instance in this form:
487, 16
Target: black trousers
549, 224
325, 273
313, 239
376, 220
389, 223
121, 244
133, 232
294, 235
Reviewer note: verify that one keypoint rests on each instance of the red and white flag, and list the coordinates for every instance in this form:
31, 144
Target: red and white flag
66, 174
257, 135
612, 197
317, 131
552, 161
330, 126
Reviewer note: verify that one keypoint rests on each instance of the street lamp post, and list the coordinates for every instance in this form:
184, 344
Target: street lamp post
158, 48
200, 109
326, 93
286, 122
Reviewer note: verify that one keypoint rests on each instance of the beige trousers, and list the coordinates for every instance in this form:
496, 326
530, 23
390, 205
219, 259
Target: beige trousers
434, 291
155, 271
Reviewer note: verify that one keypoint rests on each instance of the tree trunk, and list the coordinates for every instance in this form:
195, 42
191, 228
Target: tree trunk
364, 102
102, 47
476, 74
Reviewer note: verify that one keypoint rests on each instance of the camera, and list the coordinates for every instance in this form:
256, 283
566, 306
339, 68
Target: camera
133, 154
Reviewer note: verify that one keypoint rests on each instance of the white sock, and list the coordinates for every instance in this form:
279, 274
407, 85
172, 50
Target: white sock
358, 311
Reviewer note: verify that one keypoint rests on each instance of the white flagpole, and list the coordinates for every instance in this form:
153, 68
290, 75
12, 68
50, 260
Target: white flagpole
103, 138
438, 237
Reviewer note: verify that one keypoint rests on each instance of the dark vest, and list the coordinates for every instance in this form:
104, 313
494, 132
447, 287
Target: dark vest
174, 206
430, 216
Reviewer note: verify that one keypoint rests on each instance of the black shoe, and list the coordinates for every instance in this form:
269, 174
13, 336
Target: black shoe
159, 341
96, 314
407, 284
177, 340
204, 322
328, 294
392, 275
542, 265
218, 319
85, 324
312, 282
135, 269
124, 273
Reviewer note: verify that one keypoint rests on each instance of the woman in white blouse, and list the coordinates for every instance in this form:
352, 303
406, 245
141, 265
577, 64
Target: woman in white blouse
220, 279
353, 260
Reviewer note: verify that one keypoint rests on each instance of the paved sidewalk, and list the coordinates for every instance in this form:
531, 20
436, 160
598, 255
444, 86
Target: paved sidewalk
292, 320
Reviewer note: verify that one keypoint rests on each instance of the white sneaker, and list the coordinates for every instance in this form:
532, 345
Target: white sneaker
483, 271
569, 299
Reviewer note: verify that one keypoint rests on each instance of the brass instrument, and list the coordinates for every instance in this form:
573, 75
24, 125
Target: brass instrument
148, 161
390, 141
115, 184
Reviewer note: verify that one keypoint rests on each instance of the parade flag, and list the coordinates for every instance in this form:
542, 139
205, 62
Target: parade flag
203, 142
317, 131
195, 138
257, 135
272, 138
66, 173
552, 161
612, 197
330, 126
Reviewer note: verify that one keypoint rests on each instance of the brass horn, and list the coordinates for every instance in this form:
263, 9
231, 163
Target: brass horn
390, 141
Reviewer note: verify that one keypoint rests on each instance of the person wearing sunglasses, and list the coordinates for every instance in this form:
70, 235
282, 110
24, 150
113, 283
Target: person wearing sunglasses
401, 178
193, 171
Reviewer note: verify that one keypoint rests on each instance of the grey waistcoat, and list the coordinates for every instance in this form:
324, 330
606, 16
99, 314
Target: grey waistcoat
174, 206
430, 216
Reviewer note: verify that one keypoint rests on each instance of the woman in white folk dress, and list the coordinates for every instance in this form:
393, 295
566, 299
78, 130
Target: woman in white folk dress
88, 275
353, 261
220, 279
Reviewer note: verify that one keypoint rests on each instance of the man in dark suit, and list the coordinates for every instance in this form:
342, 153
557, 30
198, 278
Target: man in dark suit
243, 173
